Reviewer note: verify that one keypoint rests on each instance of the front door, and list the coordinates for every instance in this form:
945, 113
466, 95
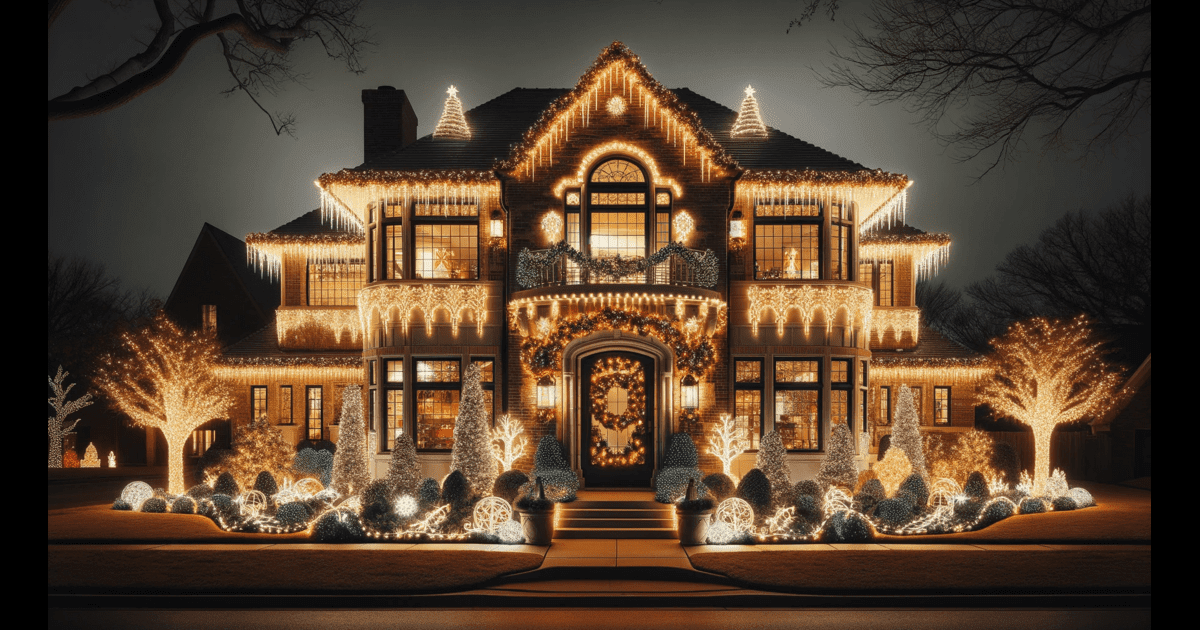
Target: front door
617, 419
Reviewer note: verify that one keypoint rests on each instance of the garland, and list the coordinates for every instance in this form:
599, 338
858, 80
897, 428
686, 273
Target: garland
694, 353
529, 263
623, 373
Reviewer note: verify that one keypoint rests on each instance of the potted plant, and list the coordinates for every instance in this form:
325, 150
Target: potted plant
537, 516
693, 516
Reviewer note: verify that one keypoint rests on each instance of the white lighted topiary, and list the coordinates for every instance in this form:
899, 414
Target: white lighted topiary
906, 433
772, 461
351, 464
472, 454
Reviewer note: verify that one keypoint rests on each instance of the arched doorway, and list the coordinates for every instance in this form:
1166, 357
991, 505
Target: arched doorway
616, 431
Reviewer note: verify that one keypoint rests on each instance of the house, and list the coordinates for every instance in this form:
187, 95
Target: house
623, 261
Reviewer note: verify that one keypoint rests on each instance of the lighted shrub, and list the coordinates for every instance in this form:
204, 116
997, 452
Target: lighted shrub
915, 484
1033, 505
977, 487
968, 510
863, 477
292, 514
212, 462
200, 491
809, 487
808, 509
508, 485
995, 512
224, 507
226, 485
183, 505
847, 527
864, 502
1006, 462
154, 505
456, 490
679, 467
428, 493
1082, 497
265, 483
121, 505
755, 489
893, 512
720, 486
314, 463
874, 487
560, 482
339, 526
1062, 503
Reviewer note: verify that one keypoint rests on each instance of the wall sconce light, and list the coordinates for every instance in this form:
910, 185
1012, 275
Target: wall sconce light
689, 393
497, 224
737, 225
546, 392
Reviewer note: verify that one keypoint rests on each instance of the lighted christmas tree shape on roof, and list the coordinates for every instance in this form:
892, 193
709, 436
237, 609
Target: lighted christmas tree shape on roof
452, 125
749, 123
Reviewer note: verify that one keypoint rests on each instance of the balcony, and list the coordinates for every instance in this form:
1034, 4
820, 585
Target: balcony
563, 265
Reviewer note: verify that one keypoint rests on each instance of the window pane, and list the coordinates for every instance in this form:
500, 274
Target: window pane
619, 234
395, 413
335, 284
885, 284
662, 199
447, 251
446, 210
788, 251
748, 372
394, 211
486, 372
618, 199
395, 370
748, 413
787, 210
885, 405
258, 396
315, 414
285, 404
436, 412
839, 239
841, 371
445, 371
393, 256
797, 371
573, 275
618, 171
797, 418
941, 405
839, 406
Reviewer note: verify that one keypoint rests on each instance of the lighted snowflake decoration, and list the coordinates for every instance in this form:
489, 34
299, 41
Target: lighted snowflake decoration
136, 493
736, 514
510, 533
406, 506
490, 513
616, 106
683, 224
552, 226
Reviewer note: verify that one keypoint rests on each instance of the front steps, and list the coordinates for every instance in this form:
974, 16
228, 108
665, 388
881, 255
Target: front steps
595, 516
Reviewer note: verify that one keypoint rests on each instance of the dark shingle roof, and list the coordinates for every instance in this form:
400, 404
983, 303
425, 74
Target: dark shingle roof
931, 345
263, 344
500, 123
263, 291
308, 223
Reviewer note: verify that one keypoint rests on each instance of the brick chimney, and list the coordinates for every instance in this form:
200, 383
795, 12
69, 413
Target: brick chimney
389, 122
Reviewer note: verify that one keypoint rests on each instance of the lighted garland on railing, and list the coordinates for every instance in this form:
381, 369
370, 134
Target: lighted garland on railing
621, 373
694, 354
531, 263
617, 68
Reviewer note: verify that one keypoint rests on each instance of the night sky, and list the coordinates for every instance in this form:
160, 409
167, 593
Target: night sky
131, 188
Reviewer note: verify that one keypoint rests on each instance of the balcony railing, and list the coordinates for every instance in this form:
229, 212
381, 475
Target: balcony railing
564, 265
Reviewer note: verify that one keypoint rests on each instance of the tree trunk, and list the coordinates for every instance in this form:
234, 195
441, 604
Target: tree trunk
175, 482
1041, 460
54, 458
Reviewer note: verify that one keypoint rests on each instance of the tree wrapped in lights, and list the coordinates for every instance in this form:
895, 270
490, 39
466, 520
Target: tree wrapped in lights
1050, 372
163, 378
727, 442
906, 433
404, 471
259, 447
512, 443
839, 467
772, 461
351, 464
452, 125
749, 123
472, 454
56, 425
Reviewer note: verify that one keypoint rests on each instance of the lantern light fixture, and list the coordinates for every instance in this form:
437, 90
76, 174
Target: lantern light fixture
497, 224
689, 393
546, 392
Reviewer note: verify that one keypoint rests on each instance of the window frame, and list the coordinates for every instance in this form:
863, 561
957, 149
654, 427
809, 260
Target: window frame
845, 386
287, 414
308, 412
255, 390
431, 386
820, 220
648, 208
338, 300
816, 386
885, 400
760, 389
938, 407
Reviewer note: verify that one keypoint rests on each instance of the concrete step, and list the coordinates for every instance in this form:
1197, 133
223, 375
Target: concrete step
613, 513
615, 523
664, 533
594, 504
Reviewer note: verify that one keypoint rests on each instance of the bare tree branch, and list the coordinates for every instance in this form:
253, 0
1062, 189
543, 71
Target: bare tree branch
980, 72
256, 41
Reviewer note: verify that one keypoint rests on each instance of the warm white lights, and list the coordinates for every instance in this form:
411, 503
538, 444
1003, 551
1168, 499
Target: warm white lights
857, 302
615, 106
392, 304
683, 224
452, 125
689, 393
749, 123
547, 391
552, 226
512, 443
727, 441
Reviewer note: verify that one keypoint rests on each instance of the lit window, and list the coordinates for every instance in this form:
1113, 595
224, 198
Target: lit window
622, 171
437, 388
335, 284
258, 403
285, 404
798, 403
941, 405
447, 250
315, 416
748, 388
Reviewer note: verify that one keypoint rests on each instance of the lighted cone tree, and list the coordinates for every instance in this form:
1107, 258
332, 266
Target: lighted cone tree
1050, 372
906, 433
839, 467
472, 454
452, 125
351, 463
56, 426
258, 447
727, 441
772, 461
162, 377
404, 471
749, 123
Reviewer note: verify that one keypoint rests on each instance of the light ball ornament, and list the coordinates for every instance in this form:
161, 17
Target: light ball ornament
490, 514
406, 506
510, 533
552, 226
736, 514
136, 493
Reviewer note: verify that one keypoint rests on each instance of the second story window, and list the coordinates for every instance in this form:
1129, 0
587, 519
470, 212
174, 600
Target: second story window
446, 241
618, 211
879, 276
787, 241
335, 284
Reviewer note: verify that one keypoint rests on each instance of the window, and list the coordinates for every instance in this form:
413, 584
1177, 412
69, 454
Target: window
314, 418
393, 395
258, 403
879, 276
335, 284
798, 403
748, 393
393, 252
787, 241
285, 405
202, 440
862, 392
437, 390
941, 405
885, 405
446, 241
618, 214
371, 410
208, 317
839, 242
839, 404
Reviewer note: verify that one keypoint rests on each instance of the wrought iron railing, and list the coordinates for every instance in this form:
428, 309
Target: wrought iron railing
564, 265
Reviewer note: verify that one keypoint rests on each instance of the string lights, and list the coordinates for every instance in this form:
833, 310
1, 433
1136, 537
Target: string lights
532, 265
727, 441
259, 369
266, 251
899, 320
453, 124
610, 148
939, 369
346, 196
291, 323
749, 123
380, 301
56, 426
858, 303
927, 251
878, 196
508, 433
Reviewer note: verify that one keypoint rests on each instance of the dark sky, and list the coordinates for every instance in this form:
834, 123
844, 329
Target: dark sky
131, 188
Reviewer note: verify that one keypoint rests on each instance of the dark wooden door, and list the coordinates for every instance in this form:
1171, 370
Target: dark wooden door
617, 419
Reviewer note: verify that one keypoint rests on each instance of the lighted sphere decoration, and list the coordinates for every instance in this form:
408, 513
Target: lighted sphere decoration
136, 493
943, 492
490, 513
253, 503
736, 514
721, 533
615, 106
307, 487
406, 506
510, 533
552, 226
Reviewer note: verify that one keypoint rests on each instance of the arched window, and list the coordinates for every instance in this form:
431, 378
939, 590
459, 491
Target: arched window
618, 212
